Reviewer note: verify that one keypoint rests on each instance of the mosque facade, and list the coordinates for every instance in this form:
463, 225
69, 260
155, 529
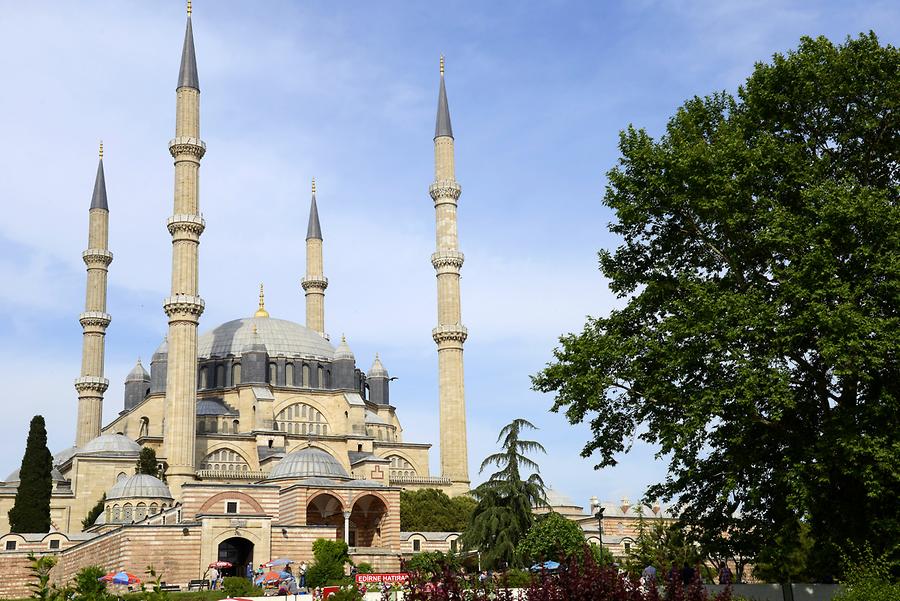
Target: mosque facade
268, 435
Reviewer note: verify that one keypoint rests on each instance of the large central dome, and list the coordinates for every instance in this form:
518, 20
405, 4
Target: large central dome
280, 337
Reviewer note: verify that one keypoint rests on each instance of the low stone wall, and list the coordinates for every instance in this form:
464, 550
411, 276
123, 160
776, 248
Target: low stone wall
777, 592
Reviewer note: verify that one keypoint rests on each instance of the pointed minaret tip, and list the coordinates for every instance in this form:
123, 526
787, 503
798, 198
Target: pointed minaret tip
187, 75
189, 8
98, 199
442, 125
314, 229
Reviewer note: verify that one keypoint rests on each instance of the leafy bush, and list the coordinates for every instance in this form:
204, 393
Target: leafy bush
432, 563
236, 586
516, 579
88, 586
868, 578
328, 566
551, 538
365, 568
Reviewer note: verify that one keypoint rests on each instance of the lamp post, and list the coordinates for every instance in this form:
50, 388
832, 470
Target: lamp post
599, 516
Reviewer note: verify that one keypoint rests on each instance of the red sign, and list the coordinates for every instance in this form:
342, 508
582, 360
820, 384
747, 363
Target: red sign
329, 590
395, 578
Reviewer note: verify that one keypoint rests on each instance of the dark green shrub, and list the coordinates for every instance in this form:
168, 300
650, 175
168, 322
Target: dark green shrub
237, 586
516, 579
328, 565
88, 586
365, 568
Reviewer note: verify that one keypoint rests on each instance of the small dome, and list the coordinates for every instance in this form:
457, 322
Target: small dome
64, 455
143, 486
309, 462
55, 476
558, 499
343, 351
377, 370
162, 349
110, 444
138, 374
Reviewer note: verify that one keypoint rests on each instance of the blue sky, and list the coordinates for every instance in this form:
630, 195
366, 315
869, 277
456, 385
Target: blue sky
346, 92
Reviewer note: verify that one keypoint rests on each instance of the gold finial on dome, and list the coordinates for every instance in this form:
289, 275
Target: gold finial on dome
189, 7
101, 149
261, 311
442, 65
314, 185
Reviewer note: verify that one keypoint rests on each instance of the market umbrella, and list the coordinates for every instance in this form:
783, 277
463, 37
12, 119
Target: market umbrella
278, 562
121, 578
268, 577
221, 564
284, 575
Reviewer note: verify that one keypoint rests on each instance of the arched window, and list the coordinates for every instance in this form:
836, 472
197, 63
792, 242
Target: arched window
289, 374
235, 374
116, 513
204, 377
273, 374
145, 426
154, 508
305, 382
140, 512
220, 376
302, 419
127, 513
321, 375
401, 468
225, 460
235, 426
327, 379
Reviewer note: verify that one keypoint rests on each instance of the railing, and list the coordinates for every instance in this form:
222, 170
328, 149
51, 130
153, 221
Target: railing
230, 475
419, 480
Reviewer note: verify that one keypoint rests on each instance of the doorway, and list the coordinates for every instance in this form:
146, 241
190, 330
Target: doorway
238, 552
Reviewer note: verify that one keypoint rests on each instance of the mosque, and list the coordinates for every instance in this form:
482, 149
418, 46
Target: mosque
268, 435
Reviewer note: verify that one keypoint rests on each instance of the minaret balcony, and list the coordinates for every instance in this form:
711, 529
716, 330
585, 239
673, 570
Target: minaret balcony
96, 384
94, 319
450, 333
185, 306
447, 261
99, 257
316, 282
182, 145
193, 225
444, 190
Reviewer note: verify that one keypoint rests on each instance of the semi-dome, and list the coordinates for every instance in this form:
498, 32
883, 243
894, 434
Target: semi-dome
139, 486
280, 337
309, 462
108, 444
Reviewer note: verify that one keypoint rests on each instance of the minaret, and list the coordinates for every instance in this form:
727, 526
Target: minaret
315, 282
450, 334
94, 321
184, 306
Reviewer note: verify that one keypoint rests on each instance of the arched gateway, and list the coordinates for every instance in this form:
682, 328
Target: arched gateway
237, 551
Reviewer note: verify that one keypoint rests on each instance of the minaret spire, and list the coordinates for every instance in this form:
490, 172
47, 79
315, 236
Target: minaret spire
261, 311
187, 75
184, 306
449, 334
442, 125
91, 384
315, 282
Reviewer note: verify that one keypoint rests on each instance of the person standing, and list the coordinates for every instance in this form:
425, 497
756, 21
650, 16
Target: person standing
249, 572
213, 578
302, 570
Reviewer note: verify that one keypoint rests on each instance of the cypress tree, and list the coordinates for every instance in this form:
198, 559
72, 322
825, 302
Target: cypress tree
147, 463
31, 510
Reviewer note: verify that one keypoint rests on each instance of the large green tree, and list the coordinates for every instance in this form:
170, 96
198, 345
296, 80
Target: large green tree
759, 342
503, 514
551, 538
147, 463
432, 510
31, 510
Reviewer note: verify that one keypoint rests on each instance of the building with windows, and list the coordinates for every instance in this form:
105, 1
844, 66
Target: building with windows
268, 434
